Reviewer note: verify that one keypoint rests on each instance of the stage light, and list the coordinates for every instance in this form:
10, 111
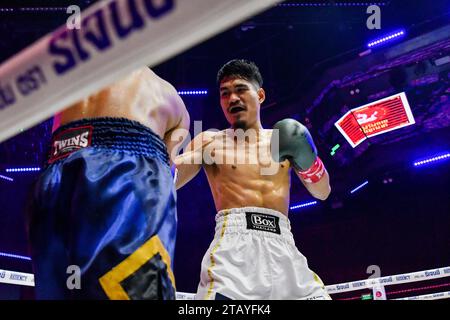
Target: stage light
14, 256
332, 4
427, 161
359, 187
387, 38
6, 178
30, 169
192, 92
333, 150
302, 205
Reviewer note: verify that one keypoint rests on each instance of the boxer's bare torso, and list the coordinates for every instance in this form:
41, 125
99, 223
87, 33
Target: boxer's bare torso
241, 173
142, 96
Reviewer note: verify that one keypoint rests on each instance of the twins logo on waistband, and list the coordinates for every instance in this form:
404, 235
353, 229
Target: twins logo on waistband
69, 141
263, 222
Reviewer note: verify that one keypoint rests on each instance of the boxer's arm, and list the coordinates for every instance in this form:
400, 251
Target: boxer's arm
320, 189
185, 171
190, 162
177, 136
177, 123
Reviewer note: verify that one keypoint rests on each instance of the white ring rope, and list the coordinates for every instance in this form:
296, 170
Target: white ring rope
389, 280
19, 278
433, 296
68, 65
27, 279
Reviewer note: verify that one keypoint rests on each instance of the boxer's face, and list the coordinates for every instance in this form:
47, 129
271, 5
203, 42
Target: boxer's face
240, 100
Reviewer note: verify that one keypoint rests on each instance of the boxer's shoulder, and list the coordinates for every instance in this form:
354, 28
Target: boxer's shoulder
156, 84
201, 140
209, 136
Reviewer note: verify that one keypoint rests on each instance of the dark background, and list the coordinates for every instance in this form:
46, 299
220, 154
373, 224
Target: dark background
309, 57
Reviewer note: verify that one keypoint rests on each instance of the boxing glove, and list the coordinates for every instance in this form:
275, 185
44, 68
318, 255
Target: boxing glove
296, 145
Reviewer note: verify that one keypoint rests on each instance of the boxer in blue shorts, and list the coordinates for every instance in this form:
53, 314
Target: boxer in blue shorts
102, 221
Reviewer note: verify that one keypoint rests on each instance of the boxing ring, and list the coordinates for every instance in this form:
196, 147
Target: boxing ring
56, 71
378, 285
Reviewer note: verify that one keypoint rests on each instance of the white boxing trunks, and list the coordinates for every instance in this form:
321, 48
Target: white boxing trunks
253, 257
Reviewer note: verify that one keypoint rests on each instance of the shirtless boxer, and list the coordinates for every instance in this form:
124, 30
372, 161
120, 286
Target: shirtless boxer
253, 254
105, 202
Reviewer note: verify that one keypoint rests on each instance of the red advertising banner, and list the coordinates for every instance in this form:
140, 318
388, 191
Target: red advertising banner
375, 118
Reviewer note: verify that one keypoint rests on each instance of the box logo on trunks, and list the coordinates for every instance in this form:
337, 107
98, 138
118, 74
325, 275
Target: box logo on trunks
69, 141
263, 222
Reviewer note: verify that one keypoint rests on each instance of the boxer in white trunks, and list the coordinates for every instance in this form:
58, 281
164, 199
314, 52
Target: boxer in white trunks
253, 255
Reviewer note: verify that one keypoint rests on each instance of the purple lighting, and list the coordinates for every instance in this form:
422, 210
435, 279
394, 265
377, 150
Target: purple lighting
443, 157
332, 4
6, 178
15, 256
385, 39
359, 187
302, 205
192, 92
32, 169
34, 9
43, 9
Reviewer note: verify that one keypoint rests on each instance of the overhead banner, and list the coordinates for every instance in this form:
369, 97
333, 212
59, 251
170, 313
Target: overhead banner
375, 118
115, 38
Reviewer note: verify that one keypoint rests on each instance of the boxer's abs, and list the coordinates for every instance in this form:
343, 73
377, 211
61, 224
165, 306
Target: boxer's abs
241, 185
231, 194
244, 174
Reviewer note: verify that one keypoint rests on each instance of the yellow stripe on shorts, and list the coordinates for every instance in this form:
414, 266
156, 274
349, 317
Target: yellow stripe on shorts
211, 256
110, 282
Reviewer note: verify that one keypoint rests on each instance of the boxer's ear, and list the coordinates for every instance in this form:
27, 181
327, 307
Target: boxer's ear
261, 95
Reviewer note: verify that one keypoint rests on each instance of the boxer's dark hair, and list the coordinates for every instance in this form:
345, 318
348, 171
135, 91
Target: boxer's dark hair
240, 68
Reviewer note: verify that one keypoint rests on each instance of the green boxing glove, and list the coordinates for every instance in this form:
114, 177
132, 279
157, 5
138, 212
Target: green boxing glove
296, 144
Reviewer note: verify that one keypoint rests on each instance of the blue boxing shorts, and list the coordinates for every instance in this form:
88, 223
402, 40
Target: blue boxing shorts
102, 220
